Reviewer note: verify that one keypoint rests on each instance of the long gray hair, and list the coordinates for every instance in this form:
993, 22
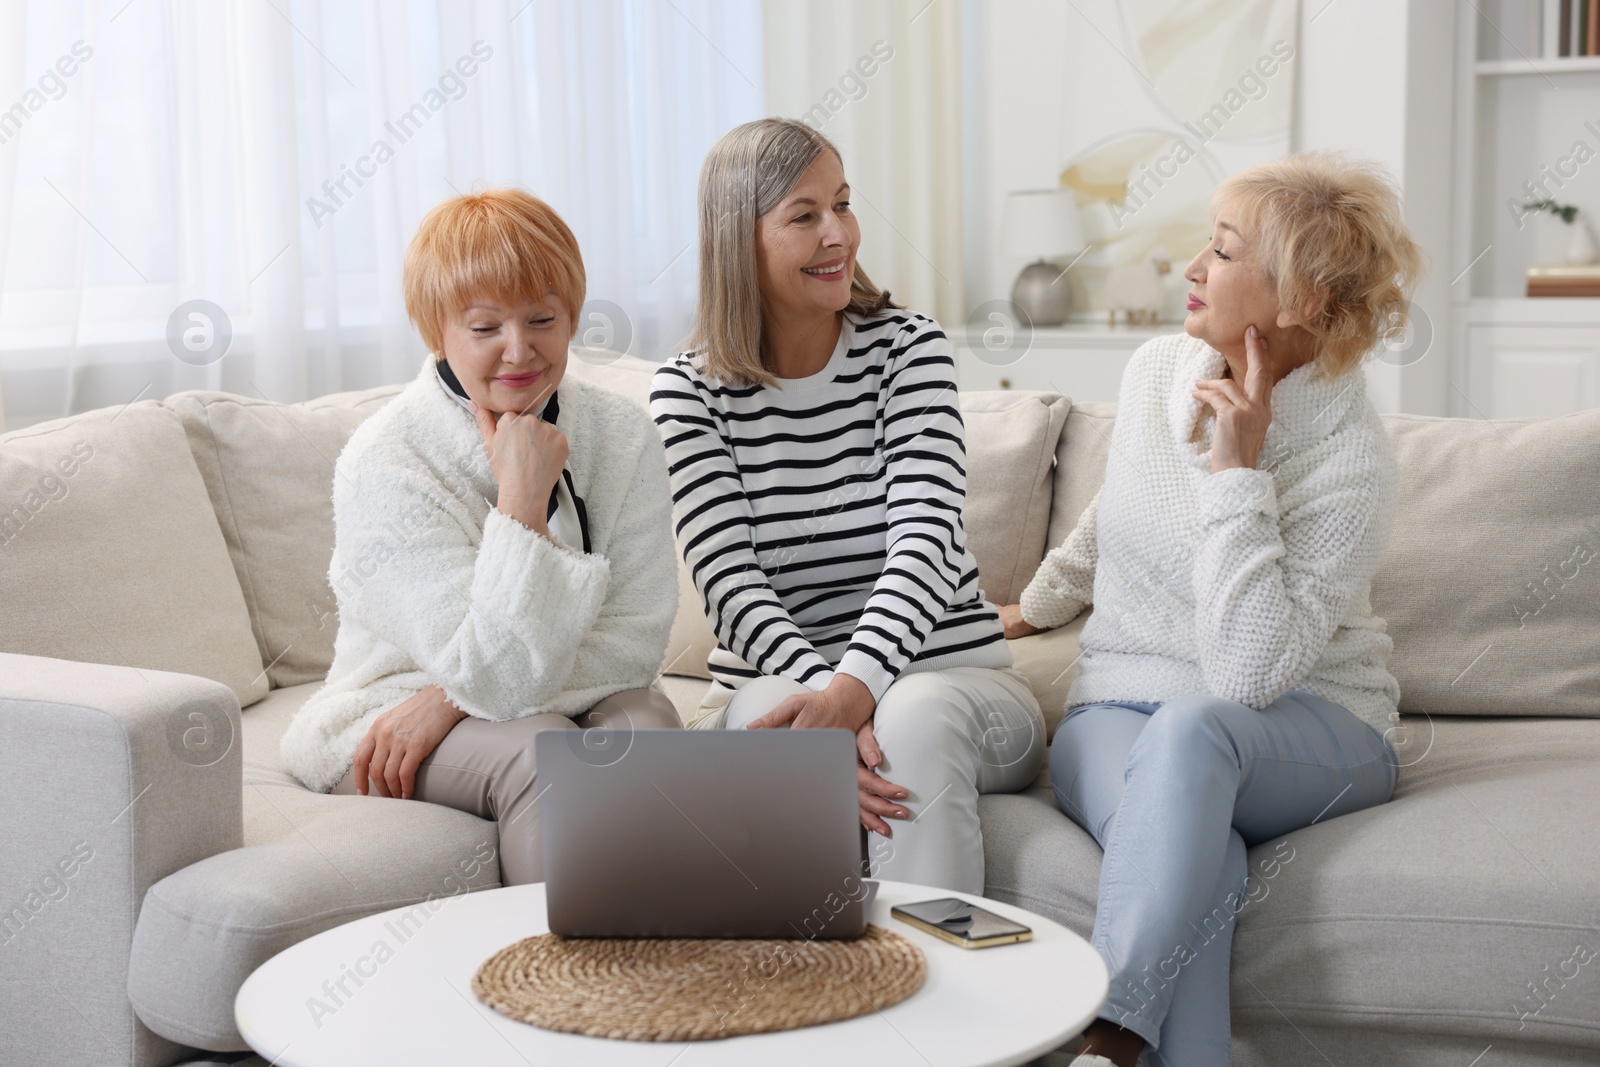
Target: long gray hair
747, 173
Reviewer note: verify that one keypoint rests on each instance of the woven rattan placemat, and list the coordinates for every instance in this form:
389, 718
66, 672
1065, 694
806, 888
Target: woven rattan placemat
671, 989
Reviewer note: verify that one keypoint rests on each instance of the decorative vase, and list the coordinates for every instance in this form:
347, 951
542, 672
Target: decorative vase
1580, 243
1043, 293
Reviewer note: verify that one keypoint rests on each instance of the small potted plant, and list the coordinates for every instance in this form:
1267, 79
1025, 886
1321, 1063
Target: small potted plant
1580, 245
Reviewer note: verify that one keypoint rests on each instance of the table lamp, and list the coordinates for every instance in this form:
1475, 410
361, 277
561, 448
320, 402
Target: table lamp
1041, 224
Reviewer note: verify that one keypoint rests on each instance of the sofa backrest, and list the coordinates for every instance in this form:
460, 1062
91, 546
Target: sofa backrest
1490, 584
194, 535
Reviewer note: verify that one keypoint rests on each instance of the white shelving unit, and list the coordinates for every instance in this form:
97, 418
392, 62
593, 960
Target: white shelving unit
1519, 120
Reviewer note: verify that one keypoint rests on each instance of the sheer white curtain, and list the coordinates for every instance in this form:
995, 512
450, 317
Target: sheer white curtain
882, 79
272, 157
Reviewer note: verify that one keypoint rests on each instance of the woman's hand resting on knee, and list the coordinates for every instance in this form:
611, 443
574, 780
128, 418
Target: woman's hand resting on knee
846, 704
875, 794
400, 739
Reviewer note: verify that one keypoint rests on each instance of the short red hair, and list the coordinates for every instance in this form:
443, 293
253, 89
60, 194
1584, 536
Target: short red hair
502, 244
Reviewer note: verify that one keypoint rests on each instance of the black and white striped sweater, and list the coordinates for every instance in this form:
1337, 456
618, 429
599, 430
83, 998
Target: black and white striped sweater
821, 521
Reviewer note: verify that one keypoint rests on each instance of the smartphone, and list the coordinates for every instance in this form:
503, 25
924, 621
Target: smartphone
961, 923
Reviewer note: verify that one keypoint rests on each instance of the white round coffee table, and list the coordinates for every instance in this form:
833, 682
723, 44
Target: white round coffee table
384, 990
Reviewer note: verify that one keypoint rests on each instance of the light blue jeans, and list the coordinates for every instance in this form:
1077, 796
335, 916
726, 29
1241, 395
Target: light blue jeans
1175, 792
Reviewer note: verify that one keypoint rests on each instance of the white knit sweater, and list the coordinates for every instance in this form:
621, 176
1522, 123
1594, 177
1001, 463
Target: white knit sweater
1244, 583
436, 585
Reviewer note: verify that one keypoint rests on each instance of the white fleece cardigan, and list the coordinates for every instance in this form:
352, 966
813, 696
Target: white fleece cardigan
1242, 584
434, 585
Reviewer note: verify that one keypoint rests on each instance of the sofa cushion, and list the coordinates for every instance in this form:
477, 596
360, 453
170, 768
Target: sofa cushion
269, 471
1491, 582
110, 551
691, 640
1430, 914
1050, 662
1467, 891
1080, 466
685, 694
1011, 448
310, 862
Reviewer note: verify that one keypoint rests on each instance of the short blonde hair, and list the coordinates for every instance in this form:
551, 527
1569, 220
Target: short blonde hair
1329, 232
747, 173
502, 244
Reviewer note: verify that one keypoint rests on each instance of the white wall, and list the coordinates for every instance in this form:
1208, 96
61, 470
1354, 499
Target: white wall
1377, 79
1352, 73
1425, 386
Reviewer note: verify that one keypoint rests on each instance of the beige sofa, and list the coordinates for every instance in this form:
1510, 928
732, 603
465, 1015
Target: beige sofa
163, 565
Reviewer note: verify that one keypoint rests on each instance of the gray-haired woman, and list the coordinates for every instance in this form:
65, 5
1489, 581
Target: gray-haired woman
818, 471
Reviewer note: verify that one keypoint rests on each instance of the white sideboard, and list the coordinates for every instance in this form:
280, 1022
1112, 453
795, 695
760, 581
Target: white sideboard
1081, 360
1530, 358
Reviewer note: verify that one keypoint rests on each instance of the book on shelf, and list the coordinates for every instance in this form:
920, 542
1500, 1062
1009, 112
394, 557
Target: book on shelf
1565, 280
1567, 28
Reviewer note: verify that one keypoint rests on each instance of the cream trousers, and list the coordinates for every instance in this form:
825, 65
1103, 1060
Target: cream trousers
946, 736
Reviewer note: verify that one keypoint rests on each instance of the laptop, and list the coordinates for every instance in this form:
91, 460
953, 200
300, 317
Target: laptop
690, 833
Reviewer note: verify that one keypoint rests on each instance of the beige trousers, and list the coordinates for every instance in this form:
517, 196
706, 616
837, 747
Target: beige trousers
486, 768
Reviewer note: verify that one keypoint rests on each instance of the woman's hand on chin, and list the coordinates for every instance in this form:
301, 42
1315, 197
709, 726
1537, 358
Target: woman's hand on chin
526, 455
1015, 625
400, 739
1243, 412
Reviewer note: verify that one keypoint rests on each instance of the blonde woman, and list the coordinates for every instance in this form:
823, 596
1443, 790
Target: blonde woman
502, 551
818, 476
1233, 684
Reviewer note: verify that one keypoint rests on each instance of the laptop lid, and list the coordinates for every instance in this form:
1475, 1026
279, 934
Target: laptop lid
689, 833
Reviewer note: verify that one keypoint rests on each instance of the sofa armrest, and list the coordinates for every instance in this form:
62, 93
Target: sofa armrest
111, 778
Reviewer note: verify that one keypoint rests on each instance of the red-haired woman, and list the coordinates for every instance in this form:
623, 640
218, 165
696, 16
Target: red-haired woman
502, 554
